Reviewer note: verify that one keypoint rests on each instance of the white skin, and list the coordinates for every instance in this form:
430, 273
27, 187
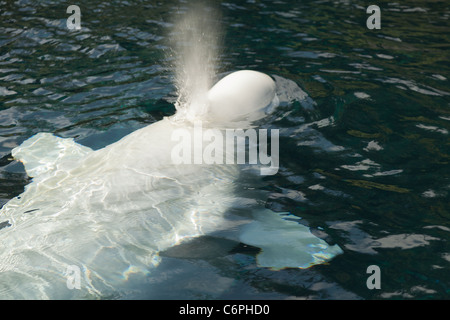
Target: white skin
111, 211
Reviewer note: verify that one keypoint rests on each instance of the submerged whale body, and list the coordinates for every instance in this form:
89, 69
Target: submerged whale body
110, 212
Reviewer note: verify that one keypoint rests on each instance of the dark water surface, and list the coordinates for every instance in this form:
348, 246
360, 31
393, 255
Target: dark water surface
366, 166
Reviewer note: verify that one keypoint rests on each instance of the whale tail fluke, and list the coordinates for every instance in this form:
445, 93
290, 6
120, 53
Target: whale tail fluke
44, 151
285, 243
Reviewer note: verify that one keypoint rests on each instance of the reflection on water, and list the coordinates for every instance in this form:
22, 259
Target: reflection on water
364, 158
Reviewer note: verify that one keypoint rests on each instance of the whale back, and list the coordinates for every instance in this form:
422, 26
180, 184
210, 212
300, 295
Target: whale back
110, 212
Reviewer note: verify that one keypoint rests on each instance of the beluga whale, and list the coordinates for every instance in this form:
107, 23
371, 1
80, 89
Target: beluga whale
109, 213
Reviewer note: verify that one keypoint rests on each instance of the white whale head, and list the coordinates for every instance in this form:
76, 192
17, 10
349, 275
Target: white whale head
244, 95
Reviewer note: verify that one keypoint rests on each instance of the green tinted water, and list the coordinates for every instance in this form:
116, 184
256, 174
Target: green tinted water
367, 166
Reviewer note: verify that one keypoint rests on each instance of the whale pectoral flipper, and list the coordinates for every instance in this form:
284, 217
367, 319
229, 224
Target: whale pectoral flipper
44, 151
285, 243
